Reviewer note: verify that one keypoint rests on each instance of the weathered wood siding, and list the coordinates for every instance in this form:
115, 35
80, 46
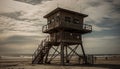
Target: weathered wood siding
55, 22
73, 16
66, 37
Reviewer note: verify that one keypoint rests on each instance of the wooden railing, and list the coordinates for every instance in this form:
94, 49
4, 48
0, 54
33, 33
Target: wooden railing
40, 46
50, 26
54, 25
37, 51
87, 27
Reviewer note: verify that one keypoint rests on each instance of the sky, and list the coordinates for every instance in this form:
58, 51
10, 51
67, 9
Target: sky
21, 23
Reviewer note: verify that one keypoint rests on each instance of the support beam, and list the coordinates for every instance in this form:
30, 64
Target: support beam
54, 53
85, 58
62, 53
74, 50
46, 57
67, 60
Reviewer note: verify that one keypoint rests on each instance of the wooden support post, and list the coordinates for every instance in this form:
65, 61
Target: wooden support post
62, 53
67, 60
46, 58
54, 55
85, 58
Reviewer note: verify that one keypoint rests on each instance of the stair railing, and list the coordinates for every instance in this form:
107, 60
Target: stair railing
40, 46
47, 39
36, 51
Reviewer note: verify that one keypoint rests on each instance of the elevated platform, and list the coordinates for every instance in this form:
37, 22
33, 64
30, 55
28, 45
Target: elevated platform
85, 28
69, 42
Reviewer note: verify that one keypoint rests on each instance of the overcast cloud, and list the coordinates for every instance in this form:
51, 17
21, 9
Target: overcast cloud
21, 22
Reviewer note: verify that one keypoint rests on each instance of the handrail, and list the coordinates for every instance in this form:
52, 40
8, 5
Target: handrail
36, 51
87, 27
84, 27
40, 46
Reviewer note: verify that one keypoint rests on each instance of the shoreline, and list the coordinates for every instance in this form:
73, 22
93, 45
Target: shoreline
25, 63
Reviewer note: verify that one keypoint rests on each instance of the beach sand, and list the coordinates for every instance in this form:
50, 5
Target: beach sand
25, 63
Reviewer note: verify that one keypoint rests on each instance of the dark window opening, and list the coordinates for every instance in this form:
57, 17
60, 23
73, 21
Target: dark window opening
67, 19
53, 20
78, 37
49, 21
76, 21
57, 18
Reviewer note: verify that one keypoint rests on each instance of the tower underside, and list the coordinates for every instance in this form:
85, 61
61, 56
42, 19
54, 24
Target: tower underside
63, 45
64, 53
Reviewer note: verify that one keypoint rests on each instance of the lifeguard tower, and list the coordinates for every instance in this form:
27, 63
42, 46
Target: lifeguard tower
65, 29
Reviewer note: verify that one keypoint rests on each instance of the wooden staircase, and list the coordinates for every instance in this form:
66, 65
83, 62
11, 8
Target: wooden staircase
43, 49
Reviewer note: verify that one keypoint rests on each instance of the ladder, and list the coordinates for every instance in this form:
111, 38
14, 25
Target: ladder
43, 49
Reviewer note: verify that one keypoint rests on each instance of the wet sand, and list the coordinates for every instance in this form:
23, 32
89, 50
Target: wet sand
25, 63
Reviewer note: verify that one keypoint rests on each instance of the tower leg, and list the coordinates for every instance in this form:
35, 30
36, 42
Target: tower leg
46, 58
67, 60
85, 58
62, 54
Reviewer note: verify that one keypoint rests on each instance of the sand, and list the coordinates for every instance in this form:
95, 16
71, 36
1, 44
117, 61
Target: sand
25, 63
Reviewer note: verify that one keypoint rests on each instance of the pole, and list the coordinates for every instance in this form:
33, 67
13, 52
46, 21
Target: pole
62, 53
85, 58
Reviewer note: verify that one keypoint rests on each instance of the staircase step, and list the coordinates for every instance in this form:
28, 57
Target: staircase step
41, 53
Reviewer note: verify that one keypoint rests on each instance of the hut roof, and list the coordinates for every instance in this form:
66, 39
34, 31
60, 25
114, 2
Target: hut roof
65, 10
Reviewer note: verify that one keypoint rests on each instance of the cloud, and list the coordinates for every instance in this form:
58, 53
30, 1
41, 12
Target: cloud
15, 23
12, 6
97, 28
33, 2
21, 23
116, 2
102, 38
17, 16
97, 11
19, 49
19, 44
19, 39
102, 45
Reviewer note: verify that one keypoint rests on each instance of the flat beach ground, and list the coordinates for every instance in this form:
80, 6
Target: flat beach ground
25, 63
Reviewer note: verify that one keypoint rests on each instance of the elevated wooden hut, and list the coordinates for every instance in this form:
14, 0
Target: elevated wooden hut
65, 28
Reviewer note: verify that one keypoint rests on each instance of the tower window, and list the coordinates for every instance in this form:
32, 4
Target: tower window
76, 21
67, 19
53, 20
57, 18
